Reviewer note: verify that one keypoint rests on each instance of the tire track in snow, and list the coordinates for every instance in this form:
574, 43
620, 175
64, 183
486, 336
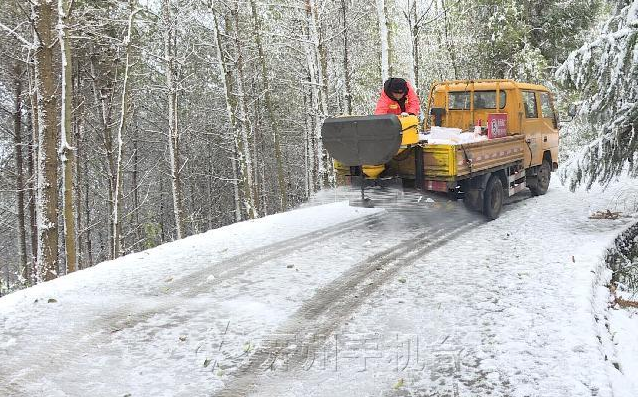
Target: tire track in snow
243, 262
184, 288
198, 282
320, 316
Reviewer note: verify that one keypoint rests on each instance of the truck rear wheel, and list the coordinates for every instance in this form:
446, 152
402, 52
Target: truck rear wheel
493, 198
542, 179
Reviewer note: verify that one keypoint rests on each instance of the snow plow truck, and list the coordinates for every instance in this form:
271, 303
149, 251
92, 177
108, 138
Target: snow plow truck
482, 141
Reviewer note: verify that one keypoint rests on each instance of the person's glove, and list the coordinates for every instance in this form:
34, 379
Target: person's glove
403, 114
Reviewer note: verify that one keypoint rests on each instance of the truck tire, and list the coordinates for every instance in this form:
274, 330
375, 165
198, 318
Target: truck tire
542, 179
493, 198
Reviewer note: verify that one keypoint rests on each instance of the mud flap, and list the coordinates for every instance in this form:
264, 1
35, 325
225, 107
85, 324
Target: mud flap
361, 140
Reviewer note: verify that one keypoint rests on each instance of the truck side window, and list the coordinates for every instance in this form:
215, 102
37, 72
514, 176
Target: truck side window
487, 99
529, 102
546, 106
482, 100
459, 100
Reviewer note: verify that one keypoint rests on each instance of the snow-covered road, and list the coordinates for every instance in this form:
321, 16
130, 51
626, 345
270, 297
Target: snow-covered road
332, 300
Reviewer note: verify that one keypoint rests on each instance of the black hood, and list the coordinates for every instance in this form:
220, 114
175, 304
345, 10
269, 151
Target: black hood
395, 84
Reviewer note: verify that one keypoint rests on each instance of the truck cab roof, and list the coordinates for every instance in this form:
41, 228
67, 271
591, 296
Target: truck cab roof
484, 85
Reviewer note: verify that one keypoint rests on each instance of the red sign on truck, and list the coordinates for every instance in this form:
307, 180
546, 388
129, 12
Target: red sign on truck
496, 125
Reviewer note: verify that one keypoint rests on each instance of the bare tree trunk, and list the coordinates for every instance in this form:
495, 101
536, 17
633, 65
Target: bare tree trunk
135, 187
412, 22
20, 186
309, 148
255, 158
448, 43
103, 95
87, 216
384, 36
389, 39
124, 110
170, 50
32, 161
47, 201
317, 75
78, 125
242, 160
225, 78
346, 58
33, 222
162, 223
265, 204
210, 188
242, 132
237, 197
67, 155
283, 194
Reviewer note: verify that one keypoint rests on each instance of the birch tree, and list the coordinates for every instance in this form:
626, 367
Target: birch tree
318, 91
170, 54
225, 79
242, 133
124, 111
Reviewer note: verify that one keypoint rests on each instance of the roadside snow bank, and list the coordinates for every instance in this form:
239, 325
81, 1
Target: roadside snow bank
617, 327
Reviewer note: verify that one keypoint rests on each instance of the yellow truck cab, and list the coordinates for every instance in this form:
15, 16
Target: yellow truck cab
529, 109
502, 137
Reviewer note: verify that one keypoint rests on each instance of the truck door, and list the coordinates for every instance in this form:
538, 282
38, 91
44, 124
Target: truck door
550, 125
532, 126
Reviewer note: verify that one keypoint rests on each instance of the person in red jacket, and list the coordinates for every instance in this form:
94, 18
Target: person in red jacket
398, 97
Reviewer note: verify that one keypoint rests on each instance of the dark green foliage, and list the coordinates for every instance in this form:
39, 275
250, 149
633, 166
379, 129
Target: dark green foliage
604, 73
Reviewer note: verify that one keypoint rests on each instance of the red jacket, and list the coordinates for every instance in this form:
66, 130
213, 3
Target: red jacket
387, 105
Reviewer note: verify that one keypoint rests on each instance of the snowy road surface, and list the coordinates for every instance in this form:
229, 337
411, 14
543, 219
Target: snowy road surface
424, 299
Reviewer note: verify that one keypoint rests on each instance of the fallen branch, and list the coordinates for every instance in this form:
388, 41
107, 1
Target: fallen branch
605, 215
624, 303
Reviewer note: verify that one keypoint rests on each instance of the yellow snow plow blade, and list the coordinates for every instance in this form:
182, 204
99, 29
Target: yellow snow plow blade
368, 141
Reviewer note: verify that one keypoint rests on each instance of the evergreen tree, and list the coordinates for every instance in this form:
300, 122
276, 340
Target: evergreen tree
605, 73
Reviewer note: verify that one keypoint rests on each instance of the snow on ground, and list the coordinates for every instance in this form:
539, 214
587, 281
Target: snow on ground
624, 328
117, 320
506, 309
417, 299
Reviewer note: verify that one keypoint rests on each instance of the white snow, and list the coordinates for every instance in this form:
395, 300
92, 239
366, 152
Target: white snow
508, 308
624, 327
450, 136
513, 307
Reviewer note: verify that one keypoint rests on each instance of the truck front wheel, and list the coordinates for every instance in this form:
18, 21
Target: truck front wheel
542, 179
493, 198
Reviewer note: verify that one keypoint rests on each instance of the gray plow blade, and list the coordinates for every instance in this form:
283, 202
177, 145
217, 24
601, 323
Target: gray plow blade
362, 140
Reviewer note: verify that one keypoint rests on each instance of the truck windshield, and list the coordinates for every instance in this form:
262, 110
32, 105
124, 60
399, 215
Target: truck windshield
482, 100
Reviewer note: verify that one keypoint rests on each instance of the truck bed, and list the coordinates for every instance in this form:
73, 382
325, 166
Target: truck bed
453, 162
